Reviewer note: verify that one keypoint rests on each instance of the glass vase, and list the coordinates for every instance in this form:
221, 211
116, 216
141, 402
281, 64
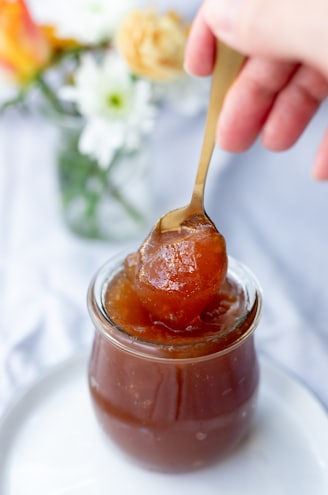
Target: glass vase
110, 203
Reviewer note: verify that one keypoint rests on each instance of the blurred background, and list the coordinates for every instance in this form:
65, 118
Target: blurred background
58, 146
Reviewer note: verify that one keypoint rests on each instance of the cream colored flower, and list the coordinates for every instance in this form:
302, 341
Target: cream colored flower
153, 45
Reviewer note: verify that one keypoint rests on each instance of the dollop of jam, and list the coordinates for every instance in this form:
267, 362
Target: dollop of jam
176, 275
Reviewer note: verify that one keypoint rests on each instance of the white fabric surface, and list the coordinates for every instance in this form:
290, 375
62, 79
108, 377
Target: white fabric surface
272, 215
274, 218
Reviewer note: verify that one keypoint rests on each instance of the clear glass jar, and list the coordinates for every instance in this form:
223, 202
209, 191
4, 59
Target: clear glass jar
112, 202
175, 407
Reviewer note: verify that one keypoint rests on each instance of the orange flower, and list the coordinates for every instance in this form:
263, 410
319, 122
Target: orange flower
153, 45
23, 48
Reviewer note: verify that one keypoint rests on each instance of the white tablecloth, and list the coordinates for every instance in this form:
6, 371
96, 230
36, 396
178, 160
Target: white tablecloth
274, 218
273, 215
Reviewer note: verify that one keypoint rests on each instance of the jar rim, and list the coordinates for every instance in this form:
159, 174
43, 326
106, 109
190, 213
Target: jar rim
136, 345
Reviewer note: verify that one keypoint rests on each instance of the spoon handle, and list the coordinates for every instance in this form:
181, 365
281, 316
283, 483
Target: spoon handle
226, 68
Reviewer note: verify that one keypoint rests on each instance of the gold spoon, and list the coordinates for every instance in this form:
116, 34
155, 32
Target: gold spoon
173, 282
227, 65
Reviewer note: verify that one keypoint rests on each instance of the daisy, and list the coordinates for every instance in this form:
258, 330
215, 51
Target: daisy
118, 109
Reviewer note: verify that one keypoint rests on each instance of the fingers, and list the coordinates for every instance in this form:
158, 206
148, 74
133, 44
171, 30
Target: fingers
277, 99
249, 102
294, 108
200, 49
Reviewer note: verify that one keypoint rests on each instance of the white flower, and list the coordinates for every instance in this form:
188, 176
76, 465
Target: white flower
86, 21
118, 109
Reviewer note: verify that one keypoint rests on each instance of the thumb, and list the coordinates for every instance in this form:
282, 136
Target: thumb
287, 29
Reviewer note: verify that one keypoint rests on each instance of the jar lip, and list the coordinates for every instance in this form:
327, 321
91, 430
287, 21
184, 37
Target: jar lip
107, 327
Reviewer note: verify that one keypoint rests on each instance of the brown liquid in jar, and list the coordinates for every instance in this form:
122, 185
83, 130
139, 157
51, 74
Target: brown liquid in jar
174, 399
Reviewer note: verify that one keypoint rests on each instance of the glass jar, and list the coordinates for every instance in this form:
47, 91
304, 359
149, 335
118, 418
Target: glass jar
174, 407
112, 202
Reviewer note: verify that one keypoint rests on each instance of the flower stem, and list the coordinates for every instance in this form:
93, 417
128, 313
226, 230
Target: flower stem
19, 98
131, 210
115, 192
49, 94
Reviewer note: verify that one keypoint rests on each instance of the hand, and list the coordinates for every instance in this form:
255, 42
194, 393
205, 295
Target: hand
283, 81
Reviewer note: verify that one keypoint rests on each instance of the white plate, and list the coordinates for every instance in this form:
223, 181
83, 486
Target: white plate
50, 444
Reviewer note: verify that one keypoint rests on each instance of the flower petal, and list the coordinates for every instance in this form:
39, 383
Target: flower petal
23, 47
